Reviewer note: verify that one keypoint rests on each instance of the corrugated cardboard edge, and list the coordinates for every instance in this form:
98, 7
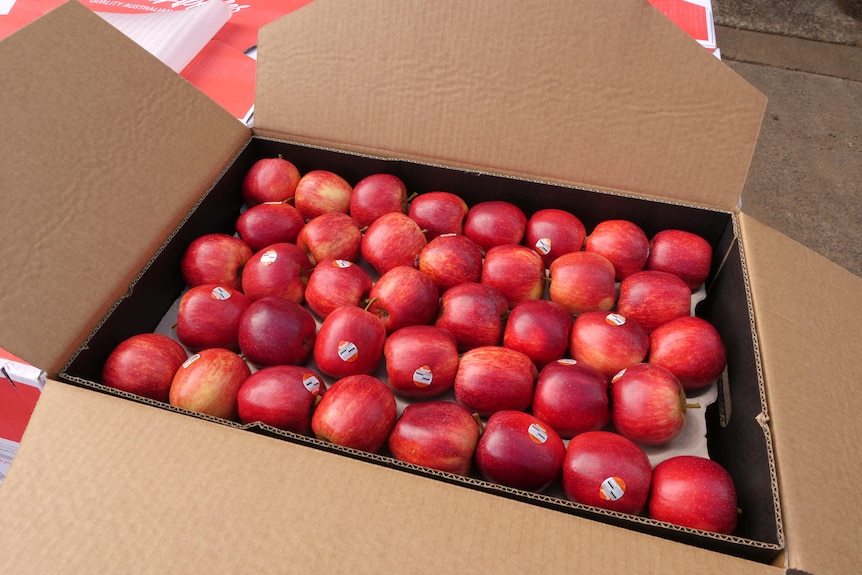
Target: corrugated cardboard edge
809, 320
522, 91
128, 487
100, 140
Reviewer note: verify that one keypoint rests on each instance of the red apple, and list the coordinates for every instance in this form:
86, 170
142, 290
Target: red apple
421, 361
332, 236
376, 195
685, 254
269, 223
606, 470
515, 271
623, 243
693, 492
215, 259
357, 411
474, 313
493, 378
209, 315
392, 240
269, 180
275, 331
208, 383
607, 341
334, 283
437, 434
282, 396
648, 404
349, 342
553, 232
144, 365
439, 213
691, 348
571, 397
403, 296
519, 450
582, 282
451, 259
538, 328
652, 298
277, 270
321, 192
495, 222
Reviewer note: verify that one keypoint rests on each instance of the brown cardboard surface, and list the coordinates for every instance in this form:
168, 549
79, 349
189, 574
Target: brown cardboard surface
96, 175
809, 321
104, 485
523, 90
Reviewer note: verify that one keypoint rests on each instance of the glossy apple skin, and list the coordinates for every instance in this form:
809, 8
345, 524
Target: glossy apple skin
330, 237
693, 492
404, 296
349, 342
439, 435
515, 271
648, 404
451, 259
607, 341
376, 195
269, 180
582, 282
685, 254
208, 383
269, 223
495, 222
357, 411
275, 331
623, 243
214, 259
571, 397
553, 232
691, 348
321, 192
474, 313
439, 213
334, 283
145, 365
604, 469
278, 270
539, 329
421, 361
495, 378
652, 298
282, 396
208, 316
519, 450
392, 240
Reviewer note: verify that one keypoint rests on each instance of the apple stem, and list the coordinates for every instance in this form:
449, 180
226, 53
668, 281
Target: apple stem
692, 405
370, 302
411, 197
174, 325
481, 425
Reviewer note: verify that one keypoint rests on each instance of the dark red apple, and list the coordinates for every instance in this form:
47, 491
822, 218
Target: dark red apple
376, 195
495, 222
439, 213
392, 240
269, 180
582, 282
693, 492
282, 396
404, 296
144, 364
571, 397
451, 259
357, 411
215, 259
519, 450
607, 341
421, 361
334, 283
691, 348
515, 271
685, 254
333, 236
436, 434
604, 469
553, 232
278, 270
208, 383
349, 342
652, 298
623, 243
276, 331
208, 316
321, 192
494, 378
474, 313
269, 223
539, 329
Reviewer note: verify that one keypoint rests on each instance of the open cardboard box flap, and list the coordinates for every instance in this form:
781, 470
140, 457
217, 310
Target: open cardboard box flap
144, 145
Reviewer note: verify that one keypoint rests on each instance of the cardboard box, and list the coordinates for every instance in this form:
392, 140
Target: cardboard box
555, 103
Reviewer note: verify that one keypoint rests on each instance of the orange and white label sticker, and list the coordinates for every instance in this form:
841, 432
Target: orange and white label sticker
615, 319
220, 293
567, 361
423, 376
311, 383
537, 433
191, 360
612, 489
619, 374
347, 351
543, 246
268, 257
341, 263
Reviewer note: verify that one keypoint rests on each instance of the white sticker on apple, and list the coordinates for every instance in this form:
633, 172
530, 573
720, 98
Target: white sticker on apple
537, 433
543, 246
612, 489
220, 293
311, 383
422, 377
268, 257
347, 351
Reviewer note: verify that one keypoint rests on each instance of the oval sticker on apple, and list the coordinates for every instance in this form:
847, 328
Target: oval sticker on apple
268, 257
612, 489
422, 377
220, 293
537, 433
615, 319
543, 246
347, 351
311, 383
